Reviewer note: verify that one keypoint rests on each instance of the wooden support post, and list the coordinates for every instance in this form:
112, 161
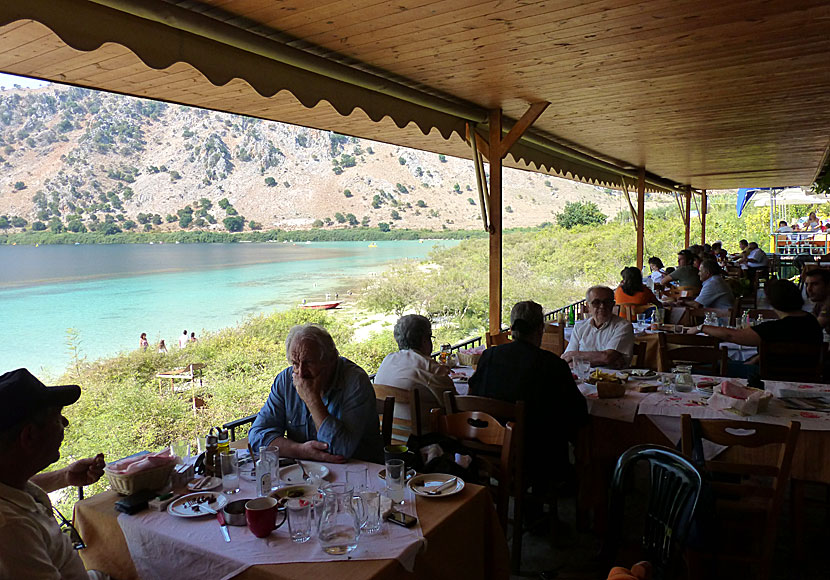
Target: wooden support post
495, 221
687, 216
497, 148
704, 209
641, 216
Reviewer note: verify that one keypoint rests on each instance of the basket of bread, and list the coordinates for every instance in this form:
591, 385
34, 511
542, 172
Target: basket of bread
733, 396
609, 385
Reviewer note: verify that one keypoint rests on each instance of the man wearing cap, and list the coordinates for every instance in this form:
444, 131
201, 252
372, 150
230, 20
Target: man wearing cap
31, 433
554, 408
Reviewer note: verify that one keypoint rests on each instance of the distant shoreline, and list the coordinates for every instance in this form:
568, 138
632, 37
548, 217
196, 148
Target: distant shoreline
30, 238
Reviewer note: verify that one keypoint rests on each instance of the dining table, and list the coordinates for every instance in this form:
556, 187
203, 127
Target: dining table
457, 536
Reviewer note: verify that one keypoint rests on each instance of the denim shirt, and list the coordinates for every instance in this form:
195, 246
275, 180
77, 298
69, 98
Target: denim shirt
352, 428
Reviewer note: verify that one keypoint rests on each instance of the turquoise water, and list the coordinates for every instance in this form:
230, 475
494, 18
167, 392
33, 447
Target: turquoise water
110, 294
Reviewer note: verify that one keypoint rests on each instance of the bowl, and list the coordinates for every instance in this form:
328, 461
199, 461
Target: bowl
234, 512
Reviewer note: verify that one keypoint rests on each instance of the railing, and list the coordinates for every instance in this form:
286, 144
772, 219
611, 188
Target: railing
574, 309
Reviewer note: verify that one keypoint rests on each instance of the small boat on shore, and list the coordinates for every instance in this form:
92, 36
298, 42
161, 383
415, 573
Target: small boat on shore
328, 305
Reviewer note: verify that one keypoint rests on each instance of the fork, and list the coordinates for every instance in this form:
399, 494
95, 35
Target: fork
305, 473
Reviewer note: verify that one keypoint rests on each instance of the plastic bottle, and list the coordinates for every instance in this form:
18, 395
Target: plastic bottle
263, 474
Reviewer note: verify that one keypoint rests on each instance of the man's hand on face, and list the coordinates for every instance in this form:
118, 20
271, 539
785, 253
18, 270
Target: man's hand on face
85, 471
309, 389
317, 451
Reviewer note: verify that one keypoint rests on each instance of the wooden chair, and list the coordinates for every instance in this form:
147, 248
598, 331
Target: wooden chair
630, 311
691, 348
554, 338
386, 414
787, 361
697, 315
403, 428
748, 496
497, 339
483, 434
638, 358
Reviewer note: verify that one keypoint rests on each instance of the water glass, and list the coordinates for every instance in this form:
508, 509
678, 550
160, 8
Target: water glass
370, 521
230, 472
180, 448
641, 320
358, 477
272, 455
299, 520
582, 366
201, 444
395, 474
667, 380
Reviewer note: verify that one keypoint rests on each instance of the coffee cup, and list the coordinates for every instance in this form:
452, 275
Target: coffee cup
261, 515
399, 452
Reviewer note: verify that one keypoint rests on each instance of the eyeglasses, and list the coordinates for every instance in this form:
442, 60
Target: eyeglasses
597, 303
67, 528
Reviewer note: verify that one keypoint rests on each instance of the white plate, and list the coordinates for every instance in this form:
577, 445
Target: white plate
293, 474
178, 508
409, 474
204, 483
421, 484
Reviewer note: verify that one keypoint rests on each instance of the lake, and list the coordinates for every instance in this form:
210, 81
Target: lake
110, 294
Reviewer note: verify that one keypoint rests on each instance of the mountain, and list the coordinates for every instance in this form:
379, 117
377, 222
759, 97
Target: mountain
92, 161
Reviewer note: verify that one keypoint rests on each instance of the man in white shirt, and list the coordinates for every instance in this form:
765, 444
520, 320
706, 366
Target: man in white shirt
412, 367
605, 339
757, 258
31, 431
183, 339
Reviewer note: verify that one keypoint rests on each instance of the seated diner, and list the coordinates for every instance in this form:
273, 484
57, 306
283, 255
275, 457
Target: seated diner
685, 274
714, 292
604, 339
632, 290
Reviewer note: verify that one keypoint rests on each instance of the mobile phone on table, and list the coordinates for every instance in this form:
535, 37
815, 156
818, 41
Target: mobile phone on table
402, 519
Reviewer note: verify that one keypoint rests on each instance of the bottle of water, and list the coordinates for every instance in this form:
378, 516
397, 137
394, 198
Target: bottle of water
263, 474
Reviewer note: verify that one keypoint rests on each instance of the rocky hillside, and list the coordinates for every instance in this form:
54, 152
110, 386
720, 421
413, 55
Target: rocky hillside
90, 161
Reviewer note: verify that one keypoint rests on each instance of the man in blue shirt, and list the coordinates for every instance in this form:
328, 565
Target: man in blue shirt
715, 292
322, 407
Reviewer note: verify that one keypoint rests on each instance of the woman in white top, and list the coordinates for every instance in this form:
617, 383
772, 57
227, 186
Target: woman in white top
657, 271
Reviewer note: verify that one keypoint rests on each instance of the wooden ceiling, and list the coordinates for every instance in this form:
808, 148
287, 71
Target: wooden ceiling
712, 94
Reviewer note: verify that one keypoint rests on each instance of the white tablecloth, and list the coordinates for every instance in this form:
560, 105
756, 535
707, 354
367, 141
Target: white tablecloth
164, 547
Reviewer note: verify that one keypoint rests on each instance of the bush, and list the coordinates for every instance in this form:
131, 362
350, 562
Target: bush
580, 213
234, 223
38, 226
270, 181
347, 193
19, 185
383, 226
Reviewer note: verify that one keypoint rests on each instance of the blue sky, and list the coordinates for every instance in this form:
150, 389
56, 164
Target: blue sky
8, 82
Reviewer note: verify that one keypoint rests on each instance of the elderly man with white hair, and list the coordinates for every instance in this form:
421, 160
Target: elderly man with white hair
605, 339
322, 407
412, 367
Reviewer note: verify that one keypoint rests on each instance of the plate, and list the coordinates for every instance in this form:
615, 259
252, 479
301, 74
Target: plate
409, 474
420, 484
204, 483
217, 501
283, 494
642, 374
293, 474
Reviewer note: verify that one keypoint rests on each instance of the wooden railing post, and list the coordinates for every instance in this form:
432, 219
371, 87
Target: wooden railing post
688, 215
641, 216
704, 208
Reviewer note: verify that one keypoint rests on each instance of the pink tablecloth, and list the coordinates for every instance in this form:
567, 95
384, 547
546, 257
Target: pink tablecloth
163, 546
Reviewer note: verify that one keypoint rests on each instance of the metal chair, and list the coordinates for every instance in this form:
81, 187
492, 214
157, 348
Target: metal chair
674, 488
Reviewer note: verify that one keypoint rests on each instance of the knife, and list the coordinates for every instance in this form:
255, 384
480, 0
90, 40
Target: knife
223, 526
446, 485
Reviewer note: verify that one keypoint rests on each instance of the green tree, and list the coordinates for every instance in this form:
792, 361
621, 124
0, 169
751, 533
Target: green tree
347, 193
401, 160
4, 222
234, 223
38, 226
340, 218
19, 185
442, 158
383, 226
421, 203
317, 224
270, 181
56, 225
471, 201
395, 215
579, 213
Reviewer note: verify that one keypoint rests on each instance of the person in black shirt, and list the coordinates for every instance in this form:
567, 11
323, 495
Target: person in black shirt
554, 407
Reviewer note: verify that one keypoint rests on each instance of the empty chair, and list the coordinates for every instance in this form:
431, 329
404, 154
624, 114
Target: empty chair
700, 350
405, 423
748, 497
554, 338
674, 488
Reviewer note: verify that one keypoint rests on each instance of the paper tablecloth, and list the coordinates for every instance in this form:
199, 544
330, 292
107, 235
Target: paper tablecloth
163, 546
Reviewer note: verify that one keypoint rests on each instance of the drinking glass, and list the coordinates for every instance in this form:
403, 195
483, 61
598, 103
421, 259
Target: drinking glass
667, 380
641, 320
395, 474
272, 454
230, 472
201, 444
180, 448
371, 520
299, 520
358, 477
582, 366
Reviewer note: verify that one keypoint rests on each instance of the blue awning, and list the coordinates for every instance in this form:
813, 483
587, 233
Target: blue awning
744, 195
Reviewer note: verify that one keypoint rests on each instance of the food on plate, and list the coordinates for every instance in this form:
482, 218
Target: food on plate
604, 377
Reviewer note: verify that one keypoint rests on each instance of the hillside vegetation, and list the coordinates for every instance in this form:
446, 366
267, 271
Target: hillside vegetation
84, 161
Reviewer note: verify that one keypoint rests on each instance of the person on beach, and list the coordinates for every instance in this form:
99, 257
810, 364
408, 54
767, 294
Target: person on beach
183, 339
192, 337
31, 430
162, 347
143, 343
322, 407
